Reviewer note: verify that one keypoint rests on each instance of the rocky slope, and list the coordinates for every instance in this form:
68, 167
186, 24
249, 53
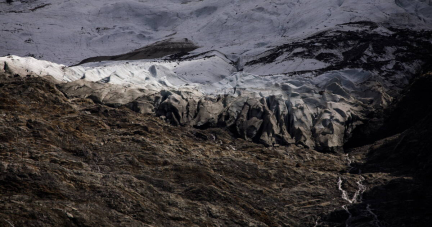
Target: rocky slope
72, 162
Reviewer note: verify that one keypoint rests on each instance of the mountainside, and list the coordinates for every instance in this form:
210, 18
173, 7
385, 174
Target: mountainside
76, 163
112, 27
215, 113
73, 162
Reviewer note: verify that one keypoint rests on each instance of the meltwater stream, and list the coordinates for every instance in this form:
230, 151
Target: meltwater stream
356, 198
357, 195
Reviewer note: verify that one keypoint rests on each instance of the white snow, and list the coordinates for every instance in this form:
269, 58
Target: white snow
67, 31
152, 74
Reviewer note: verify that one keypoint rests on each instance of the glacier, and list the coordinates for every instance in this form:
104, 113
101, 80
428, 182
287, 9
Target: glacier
273, 72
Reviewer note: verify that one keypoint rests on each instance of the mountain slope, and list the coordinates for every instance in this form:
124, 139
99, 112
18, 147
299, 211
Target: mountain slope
215, 113
76, 163
55, 30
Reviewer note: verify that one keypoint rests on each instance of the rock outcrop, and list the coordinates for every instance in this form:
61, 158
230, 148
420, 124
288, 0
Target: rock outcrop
156, 50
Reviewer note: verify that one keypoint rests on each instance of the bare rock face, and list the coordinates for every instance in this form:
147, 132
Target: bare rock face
156, 50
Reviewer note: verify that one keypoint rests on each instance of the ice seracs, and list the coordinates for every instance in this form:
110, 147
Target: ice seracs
274, 72
313, 111
318, 107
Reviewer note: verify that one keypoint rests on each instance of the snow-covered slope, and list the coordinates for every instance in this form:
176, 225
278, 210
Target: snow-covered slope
68, 31
150, 74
